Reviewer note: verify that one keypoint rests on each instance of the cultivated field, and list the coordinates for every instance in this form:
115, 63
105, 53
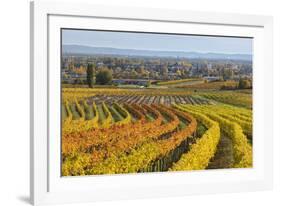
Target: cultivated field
113, 130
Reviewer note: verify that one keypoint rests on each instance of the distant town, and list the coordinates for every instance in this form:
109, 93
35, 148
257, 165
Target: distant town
139, 70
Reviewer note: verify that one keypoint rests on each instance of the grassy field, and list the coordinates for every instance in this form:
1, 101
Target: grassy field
211, 85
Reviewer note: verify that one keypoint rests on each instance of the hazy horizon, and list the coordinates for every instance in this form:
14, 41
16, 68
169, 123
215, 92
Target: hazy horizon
157, 42
151, 49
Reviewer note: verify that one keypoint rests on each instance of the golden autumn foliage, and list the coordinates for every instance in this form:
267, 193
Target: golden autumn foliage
242, 149
103, 137
203, 150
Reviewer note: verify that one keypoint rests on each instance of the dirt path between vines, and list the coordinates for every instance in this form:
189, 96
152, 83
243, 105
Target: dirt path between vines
224, 155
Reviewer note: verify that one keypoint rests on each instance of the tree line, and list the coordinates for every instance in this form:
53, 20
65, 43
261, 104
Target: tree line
102, 77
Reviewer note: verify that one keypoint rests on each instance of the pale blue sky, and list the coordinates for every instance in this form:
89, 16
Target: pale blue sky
164, 42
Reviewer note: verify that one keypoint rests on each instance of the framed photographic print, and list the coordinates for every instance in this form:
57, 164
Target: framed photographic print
127, 105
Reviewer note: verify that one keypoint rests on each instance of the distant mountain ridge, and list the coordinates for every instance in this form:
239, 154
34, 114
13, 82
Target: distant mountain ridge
88, 50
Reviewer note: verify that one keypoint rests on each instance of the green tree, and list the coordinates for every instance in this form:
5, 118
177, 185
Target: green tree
227, 74
134, 74
90, 75
164, 71
148, 84
244, 84
104, 76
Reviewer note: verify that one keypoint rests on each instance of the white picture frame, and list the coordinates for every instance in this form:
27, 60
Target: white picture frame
47, 18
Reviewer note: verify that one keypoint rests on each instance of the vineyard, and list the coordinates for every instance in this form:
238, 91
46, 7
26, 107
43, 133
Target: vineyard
113, 131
